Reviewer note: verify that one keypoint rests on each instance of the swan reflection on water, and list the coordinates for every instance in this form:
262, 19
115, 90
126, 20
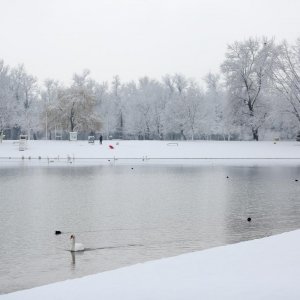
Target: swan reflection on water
73, 258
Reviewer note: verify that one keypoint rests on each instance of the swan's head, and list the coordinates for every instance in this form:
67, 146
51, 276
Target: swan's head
72, 237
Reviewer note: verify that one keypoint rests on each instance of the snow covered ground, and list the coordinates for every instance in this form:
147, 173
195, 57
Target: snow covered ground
162, 152
267, 268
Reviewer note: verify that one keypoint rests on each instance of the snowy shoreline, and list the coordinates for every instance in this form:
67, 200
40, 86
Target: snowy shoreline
267, 268
152, 152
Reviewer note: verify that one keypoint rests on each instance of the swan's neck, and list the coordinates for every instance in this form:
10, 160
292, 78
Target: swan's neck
73, 245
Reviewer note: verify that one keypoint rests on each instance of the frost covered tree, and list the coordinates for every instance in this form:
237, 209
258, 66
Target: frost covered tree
75, 106
245, 68
158, 109
6, 98
118, 106
285, 73
144, 108
26, 94
49, 98
104, 108
193, 110
184, 108
214, 106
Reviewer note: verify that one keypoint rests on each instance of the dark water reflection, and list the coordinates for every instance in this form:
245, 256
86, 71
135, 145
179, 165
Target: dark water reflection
125, 216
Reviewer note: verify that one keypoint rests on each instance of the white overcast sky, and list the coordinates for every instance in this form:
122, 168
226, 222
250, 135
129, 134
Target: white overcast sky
133, 38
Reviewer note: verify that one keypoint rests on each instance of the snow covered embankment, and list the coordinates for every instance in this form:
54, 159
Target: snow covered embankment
268, 268
158, 152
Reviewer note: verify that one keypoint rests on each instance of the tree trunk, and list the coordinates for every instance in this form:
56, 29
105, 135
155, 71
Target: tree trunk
255, 134
71, 122
182, 136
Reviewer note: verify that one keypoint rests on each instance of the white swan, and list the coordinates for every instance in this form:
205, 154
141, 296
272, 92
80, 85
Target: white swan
75, 246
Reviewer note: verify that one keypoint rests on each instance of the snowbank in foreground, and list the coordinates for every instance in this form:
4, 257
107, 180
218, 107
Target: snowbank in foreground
268, 268
124, 152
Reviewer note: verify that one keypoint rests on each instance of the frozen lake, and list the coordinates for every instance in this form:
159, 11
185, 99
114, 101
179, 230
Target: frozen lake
127, 215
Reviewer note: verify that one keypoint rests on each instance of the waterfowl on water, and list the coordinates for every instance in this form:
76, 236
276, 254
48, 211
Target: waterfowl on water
75, 246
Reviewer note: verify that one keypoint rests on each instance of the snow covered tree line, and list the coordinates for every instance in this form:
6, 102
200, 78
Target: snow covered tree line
255, 96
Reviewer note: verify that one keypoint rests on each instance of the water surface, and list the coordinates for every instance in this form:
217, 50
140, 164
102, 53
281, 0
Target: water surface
126, 215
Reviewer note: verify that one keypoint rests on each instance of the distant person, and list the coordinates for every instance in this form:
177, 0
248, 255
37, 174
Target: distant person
100, 139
